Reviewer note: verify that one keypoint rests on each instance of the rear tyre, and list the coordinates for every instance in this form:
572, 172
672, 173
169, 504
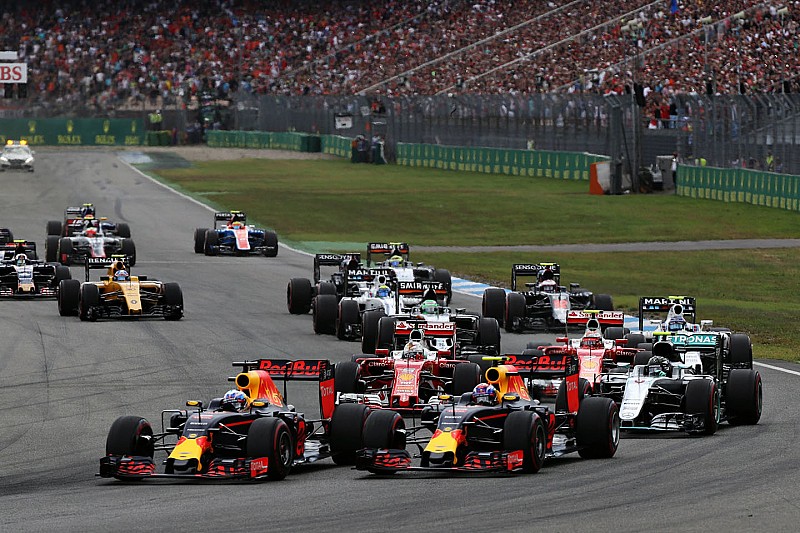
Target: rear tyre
69, 297
493, 304
634, 340
90, 297
598, 428
199, 240
326, 287
385, 333
211, 242
129, 250
741, 351
271, 244
347, 315
645, 346
702, 399
385, 429
325, 310
65, 251
298, 296
173, 297
443, 276
62, 273
613, 333
369, 330
130, 436
489, 334
346, 377
347, 432
743, 397
524, 430
53, 228
465, 377
478, 360
642, 358
602, 302
269, 437
123, 230
584, 390
515, 309
51, 248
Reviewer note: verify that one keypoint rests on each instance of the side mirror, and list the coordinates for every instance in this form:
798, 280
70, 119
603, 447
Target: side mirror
194, 403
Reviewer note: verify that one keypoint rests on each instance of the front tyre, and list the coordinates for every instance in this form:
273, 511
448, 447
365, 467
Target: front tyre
524, 430
270, 438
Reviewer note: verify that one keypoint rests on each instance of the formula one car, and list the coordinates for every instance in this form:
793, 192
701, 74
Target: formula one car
505, 431
91, 242
22, 276
396, 256
688, 382
544, 305
232, 236
404, 379
450, 331
262, 437
79, 218
301, 293
118, 294
16, 155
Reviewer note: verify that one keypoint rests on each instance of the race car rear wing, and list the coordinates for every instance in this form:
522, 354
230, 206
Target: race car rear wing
369, 274
552, 366
320, 370
388, 249
531, 269
229, 216
428, 290
661, 305
95, 263
19, 246
337, 260
603, 318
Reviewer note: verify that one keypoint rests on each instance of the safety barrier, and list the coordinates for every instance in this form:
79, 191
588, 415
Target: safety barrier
739, 185
336, 145
299, 142
540, 163
74, 131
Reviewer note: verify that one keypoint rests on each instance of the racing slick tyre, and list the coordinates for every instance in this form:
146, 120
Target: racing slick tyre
634, 340
465, 377
64, 251
51, 249
493, 304
602, 302
743, 397
478, 360
347, 432
199, 240
325, 310
515, 308
613, 333
489, 334
173, 297
298, 296
524, 430
385, 333
130, 436
701, 398
129, 250
124, 230
346, 377
211, 243
642, 358
269, 437
597, 430
741, 351
53, 228
271, 244
369, 330
326, 287
62, 273
584, 390
645, 346
385, 429
69, 297
90, 297
347, 315
443, 276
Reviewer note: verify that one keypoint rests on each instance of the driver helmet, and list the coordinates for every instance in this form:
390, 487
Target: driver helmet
121, 275
237, 224
484, 394
549, 286
21, 259
384, 291
396, 261
234, 400
592, 342
429, 307
658, 366
90, 232
676, 323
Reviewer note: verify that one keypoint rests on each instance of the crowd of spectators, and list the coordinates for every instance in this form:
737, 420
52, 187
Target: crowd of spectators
113, 53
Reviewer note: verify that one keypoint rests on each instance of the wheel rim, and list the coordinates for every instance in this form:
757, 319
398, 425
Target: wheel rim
285, 449
539, 443
615, 425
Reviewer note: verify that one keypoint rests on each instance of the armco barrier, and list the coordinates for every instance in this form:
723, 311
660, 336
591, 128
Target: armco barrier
74, 131
544, 163
299, 142
739, 185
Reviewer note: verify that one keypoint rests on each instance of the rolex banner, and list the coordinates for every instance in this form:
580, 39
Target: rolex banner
74, 131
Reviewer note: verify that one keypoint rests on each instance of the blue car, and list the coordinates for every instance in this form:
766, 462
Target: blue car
231, 235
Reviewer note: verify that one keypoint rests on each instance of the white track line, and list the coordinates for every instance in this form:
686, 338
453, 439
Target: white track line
779, 369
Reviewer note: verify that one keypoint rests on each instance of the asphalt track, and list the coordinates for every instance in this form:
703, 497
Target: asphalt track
63, 382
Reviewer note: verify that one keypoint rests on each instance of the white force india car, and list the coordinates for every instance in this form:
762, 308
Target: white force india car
16, 155
397, 257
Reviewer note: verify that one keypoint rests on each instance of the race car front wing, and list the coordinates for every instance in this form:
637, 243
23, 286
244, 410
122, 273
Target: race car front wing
383, 461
